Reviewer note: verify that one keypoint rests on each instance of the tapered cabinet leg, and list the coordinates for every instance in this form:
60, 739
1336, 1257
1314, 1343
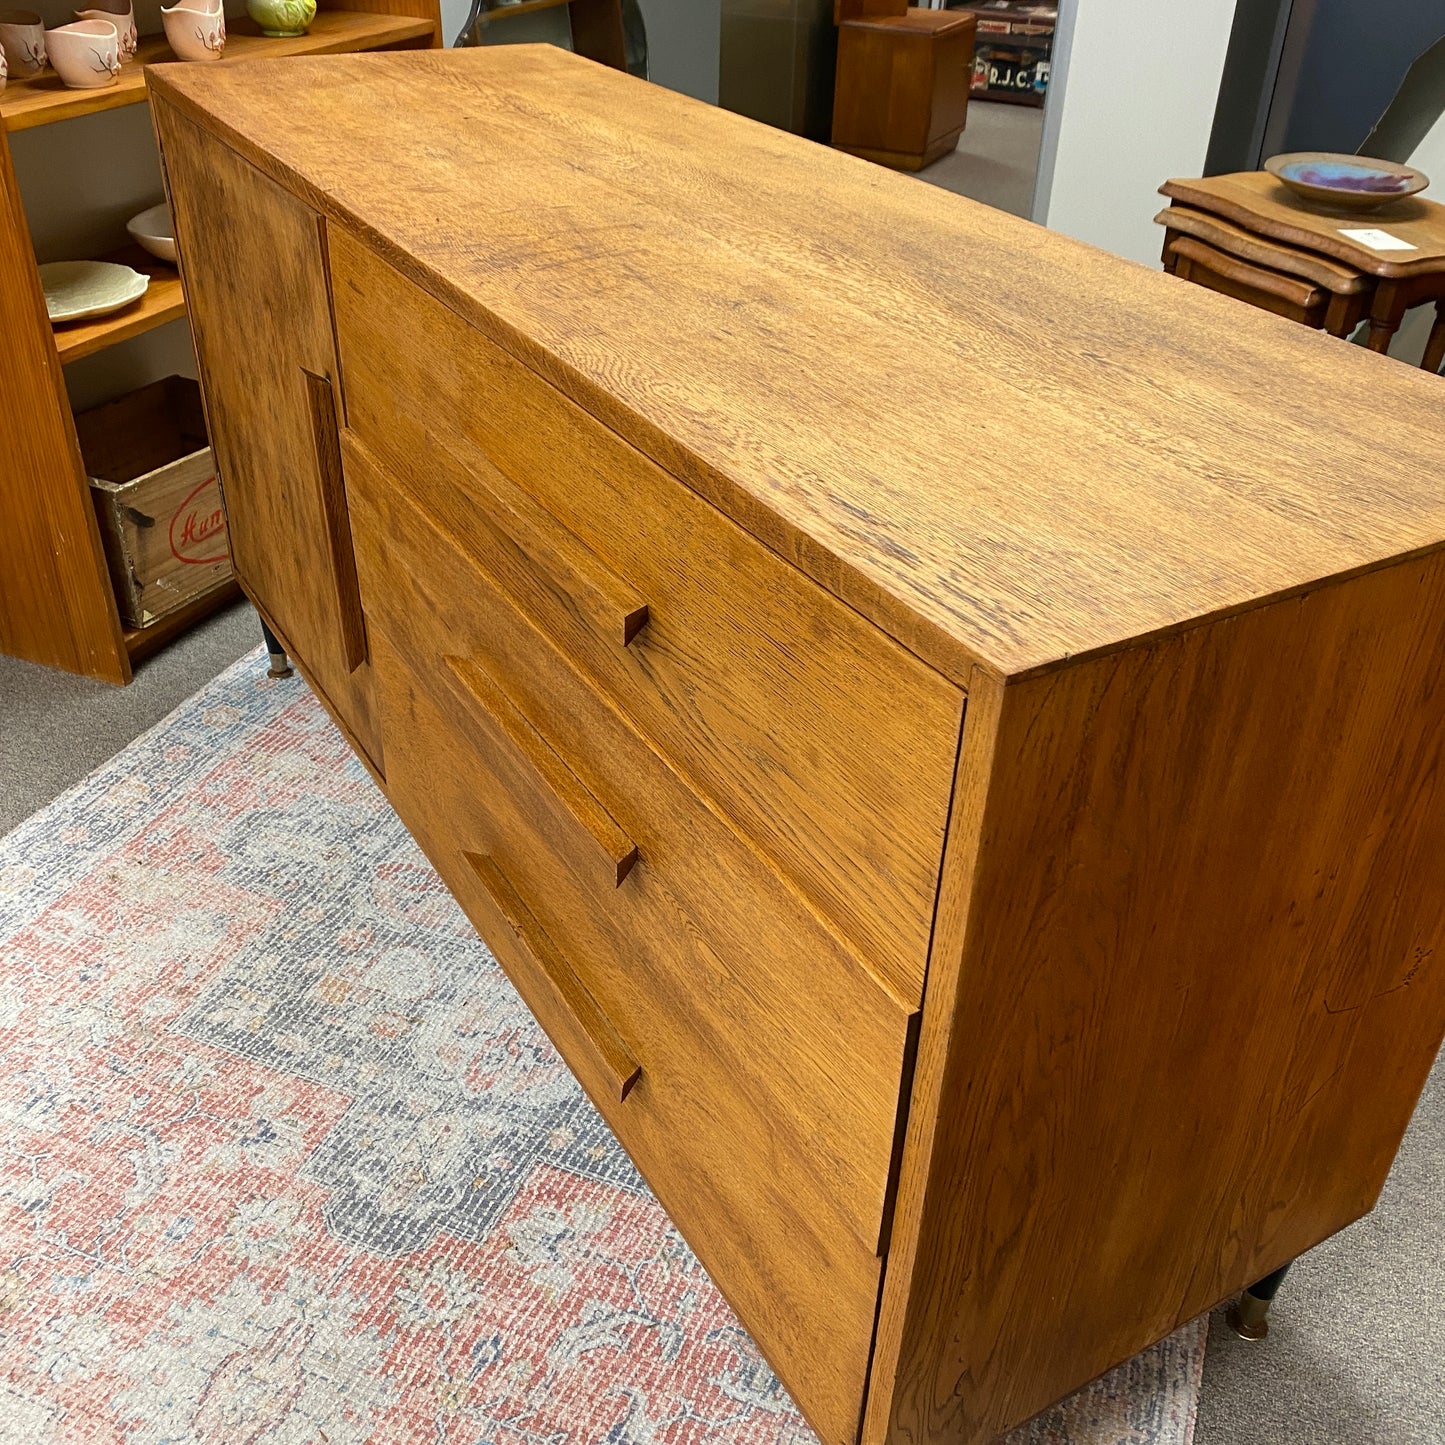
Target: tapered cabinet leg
1248, 1316
280, 663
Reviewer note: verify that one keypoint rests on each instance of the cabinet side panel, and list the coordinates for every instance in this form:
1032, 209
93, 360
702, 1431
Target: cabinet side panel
56, 605
254, 268
1185, 998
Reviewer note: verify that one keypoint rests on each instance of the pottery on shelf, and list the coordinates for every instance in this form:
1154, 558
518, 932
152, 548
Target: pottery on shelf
154, 231
1344, 182
195, 32
85, 53
22, 37
121, 14
282, 17
75, 290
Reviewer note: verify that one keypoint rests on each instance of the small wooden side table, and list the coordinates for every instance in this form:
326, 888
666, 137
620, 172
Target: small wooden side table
903, 78
1260, 205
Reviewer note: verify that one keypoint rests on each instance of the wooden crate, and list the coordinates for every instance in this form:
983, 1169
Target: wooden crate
153, 482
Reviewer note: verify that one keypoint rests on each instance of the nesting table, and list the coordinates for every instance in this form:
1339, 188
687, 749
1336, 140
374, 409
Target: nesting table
1247, 235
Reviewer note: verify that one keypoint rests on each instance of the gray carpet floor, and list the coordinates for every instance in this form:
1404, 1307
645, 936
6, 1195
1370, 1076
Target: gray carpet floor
55, 728
1356, 1354
996, 159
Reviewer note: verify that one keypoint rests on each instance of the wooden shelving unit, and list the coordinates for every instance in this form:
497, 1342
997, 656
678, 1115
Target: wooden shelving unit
56, 602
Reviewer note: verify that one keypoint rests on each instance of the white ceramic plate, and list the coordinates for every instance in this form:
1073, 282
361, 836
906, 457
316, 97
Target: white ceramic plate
152, 229
77, 289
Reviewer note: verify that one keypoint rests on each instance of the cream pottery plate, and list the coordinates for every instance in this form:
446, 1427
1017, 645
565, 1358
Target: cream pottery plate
77, 289
152, 229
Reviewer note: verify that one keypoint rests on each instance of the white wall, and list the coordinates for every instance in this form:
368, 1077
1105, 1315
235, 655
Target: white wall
1131, 103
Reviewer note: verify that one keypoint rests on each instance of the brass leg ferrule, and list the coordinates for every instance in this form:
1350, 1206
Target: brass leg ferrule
1248, 1317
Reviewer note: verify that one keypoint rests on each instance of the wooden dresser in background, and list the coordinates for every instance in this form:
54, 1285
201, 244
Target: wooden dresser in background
941, 725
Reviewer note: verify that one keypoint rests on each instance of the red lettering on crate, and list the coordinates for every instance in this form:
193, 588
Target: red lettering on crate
199, 527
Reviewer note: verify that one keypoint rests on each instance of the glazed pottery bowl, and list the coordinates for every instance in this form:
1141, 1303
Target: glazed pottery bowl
153, 230
22, 37
282, 17
85, 53
121, 14
195, 33
1345, 183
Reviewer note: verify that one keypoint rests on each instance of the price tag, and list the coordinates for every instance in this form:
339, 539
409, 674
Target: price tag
1378, 240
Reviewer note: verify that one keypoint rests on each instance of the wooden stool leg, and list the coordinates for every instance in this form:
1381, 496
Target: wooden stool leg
1381, 335
1339, 320
1385, 316
1435, 349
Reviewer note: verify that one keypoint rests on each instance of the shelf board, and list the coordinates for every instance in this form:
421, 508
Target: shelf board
26, 103
141, 642
162, 302
523, 7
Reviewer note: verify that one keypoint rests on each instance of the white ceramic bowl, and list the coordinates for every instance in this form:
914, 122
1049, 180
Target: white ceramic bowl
85, 53
153, 230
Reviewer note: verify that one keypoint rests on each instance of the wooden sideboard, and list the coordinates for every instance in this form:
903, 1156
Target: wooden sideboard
940, 724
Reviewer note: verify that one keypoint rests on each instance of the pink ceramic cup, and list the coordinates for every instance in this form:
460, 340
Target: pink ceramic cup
121, 14
22, 37
85, 53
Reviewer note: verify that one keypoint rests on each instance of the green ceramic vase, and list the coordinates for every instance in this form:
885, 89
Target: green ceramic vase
282, 17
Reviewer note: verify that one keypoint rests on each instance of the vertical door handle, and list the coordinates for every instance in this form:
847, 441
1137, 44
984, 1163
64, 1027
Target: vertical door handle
326, 438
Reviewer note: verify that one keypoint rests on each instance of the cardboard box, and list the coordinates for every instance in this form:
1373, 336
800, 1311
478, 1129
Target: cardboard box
157, 499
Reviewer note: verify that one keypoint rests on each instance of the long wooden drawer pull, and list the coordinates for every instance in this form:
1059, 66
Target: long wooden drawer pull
619, 850
611, 1055
592, 585
326, 439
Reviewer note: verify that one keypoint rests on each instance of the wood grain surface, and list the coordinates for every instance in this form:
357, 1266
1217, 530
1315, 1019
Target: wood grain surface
772, 1052
261, 317
1002, 445
830, 745
56, 606
1187, 985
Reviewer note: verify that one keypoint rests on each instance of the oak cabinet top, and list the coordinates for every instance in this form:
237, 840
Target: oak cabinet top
1007, 448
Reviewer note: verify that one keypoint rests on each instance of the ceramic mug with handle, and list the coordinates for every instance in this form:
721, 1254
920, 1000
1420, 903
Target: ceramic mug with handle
85, 53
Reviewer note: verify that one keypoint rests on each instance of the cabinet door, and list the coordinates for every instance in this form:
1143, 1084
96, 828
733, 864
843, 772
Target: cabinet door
254, 263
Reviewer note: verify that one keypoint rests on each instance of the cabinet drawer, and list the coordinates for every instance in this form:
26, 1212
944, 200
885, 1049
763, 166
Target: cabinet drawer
751, 1065
831, 746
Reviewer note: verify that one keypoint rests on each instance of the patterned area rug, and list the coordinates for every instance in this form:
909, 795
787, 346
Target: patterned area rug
286, 1160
